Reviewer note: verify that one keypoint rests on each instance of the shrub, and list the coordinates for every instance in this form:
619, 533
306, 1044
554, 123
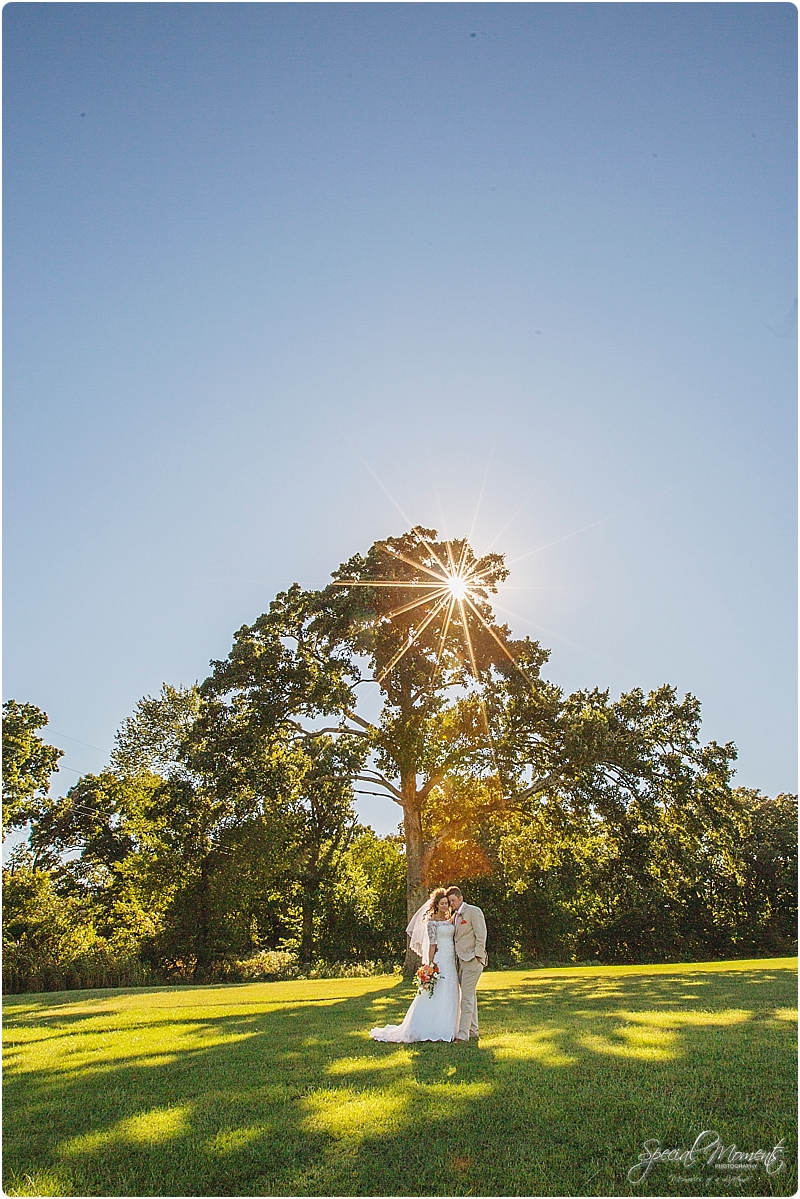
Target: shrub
280, 965
351, 969
273, 965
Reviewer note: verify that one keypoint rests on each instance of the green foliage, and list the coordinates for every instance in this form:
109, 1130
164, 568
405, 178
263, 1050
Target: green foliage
27, 763
364, 913
281, 669
223, 831
711, 874
256, 741
212, 841
268, 965
50, 941
153, 739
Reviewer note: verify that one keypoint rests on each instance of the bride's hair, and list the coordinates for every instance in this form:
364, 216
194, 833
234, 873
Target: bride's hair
433, 903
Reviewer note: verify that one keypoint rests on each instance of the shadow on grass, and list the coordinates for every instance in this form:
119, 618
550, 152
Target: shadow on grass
571, 1077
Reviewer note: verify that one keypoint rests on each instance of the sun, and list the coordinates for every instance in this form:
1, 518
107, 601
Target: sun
457, 586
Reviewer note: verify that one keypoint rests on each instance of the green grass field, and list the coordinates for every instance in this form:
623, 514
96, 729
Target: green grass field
276, 1088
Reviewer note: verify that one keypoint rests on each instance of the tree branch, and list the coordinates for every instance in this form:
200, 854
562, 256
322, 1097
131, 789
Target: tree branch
538, 785
365, 724
433, 781
374, 777
336, 729
380, 794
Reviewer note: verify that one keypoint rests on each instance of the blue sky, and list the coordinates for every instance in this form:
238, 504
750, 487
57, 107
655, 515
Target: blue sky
282, 277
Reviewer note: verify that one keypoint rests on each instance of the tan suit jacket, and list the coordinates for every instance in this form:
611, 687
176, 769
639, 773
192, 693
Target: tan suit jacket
469, 937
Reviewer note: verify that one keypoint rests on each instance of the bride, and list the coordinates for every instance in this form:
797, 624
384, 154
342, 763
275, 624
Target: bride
430, 1017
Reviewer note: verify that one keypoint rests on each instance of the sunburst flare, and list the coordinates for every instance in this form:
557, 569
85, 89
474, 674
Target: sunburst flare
453, 586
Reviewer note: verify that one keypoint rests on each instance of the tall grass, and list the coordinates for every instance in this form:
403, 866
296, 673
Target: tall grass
25, 974
99, 969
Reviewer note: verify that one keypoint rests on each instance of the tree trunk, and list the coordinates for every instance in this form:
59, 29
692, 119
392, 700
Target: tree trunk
309, 904
203, 940
416, 888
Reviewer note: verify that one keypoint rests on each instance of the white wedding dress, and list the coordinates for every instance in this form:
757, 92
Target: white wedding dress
431, 1017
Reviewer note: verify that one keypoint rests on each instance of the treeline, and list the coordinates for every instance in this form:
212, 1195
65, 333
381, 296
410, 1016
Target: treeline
135, 876
116, 885
222, 842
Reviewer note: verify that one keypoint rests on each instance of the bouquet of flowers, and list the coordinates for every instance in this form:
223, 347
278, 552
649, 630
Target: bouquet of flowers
427, 976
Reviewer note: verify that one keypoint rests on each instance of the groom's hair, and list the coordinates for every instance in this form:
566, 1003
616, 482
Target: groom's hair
454, 891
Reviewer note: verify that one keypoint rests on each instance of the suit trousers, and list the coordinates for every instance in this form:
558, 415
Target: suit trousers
468, 975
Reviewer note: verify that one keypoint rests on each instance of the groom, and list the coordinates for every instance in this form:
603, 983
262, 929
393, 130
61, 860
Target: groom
469, 940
